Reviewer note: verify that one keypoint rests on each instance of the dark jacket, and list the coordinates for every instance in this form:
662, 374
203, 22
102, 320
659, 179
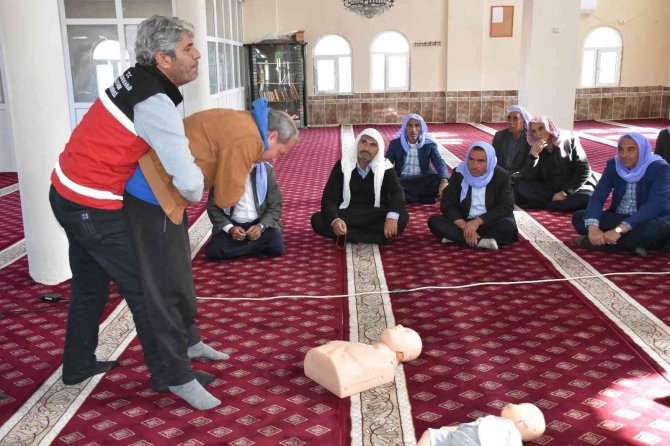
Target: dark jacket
663, 145
501, 141
427, 154
652, 194
567, 170
269, 213
391, 197
499, 198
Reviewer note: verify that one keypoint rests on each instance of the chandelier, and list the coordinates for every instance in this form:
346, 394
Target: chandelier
368, 8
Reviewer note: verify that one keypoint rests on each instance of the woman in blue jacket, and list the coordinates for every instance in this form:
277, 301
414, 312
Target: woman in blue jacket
639, 216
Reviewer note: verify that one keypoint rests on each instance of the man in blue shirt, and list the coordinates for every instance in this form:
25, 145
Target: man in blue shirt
411, 153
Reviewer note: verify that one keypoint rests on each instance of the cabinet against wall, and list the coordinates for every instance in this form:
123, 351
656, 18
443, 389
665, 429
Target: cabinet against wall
277, 72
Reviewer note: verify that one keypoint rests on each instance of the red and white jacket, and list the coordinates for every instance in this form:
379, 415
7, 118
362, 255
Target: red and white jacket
103, 149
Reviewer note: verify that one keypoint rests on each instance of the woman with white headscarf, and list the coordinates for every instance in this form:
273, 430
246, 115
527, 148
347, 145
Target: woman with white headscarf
557, 174
477, 204
362, 201
639, 217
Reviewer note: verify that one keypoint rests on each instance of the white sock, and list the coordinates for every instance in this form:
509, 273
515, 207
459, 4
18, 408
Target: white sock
195, 395
446, 240
202, 350
488, 243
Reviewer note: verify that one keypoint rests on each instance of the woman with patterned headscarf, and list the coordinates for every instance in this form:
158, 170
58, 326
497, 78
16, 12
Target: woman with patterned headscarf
556, 174
639, 217
477, 204
412, 152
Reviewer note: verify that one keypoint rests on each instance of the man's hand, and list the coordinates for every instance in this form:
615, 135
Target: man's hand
559, 196
443, 184
254, 232
470, 231
537, 147
237, 233
390, 228
611, 237
596, 236
339, 227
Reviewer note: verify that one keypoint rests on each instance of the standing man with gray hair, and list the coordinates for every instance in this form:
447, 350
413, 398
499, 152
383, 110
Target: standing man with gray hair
136, 113
226, 144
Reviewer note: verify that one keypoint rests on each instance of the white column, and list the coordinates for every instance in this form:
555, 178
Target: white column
550, 59
35, 68
196, 93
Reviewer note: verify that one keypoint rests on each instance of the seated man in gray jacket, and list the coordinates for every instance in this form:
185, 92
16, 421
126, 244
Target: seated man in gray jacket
251, 227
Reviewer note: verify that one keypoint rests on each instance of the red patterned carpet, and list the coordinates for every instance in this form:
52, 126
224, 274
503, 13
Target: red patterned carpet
654, 123
11, 228
8, 178
653, 292
612, 132
266, 397
483, 346
487, 346
32, 332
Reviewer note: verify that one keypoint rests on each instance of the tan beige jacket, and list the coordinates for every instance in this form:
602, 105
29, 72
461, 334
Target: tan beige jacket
225, 144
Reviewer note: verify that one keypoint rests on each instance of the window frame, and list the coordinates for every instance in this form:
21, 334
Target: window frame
227, 42
598, 52
336, 63
79, 108
386, 55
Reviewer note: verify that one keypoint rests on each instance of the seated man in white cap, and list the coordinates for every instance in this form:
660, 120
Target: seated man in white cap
363, 201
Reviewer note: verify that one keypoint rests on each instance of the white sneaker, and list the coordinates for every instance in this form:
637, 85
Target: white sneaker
488, 243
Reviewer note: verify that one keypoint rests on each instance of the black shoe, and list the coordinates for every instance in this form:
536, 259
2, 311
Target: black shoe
99, 367
203, 378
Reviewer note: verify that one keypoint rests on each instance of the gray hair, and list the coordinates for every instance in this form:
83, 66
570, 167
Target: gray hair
283, 124
160, 34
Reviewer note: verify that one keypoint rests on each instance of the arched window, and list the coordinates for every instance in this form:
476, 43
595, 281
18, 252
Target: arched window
389, 69
601, 61
332, 65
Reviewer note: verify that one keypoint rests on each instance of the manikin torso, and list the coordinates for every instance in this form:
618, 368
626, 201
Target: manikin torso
346, 368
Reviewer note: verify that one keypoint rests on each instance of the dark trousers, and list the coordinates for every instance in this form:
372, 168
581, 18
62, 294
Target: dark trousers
651, 234
99, 252
363, 225
539, 195
420, 188
164, 258
223, 247
504, 231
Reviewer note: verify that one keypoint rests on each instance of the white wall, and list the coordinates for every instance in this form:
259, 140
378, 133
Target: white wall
476, 61
645, 28
36, 85
550, 51
418, 20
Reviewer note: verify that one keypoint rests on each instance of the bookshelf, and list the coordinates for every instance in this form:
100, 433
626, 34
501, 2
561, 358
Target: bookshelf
277, 72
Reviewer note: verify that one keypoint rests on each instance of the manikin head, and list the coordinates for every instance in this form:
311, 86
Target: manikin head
403, 340
527, 418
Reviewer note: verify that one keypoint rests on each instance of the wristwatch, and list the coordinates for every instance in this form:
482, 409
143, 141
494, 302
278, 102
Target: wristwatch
618, 230
262, 226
